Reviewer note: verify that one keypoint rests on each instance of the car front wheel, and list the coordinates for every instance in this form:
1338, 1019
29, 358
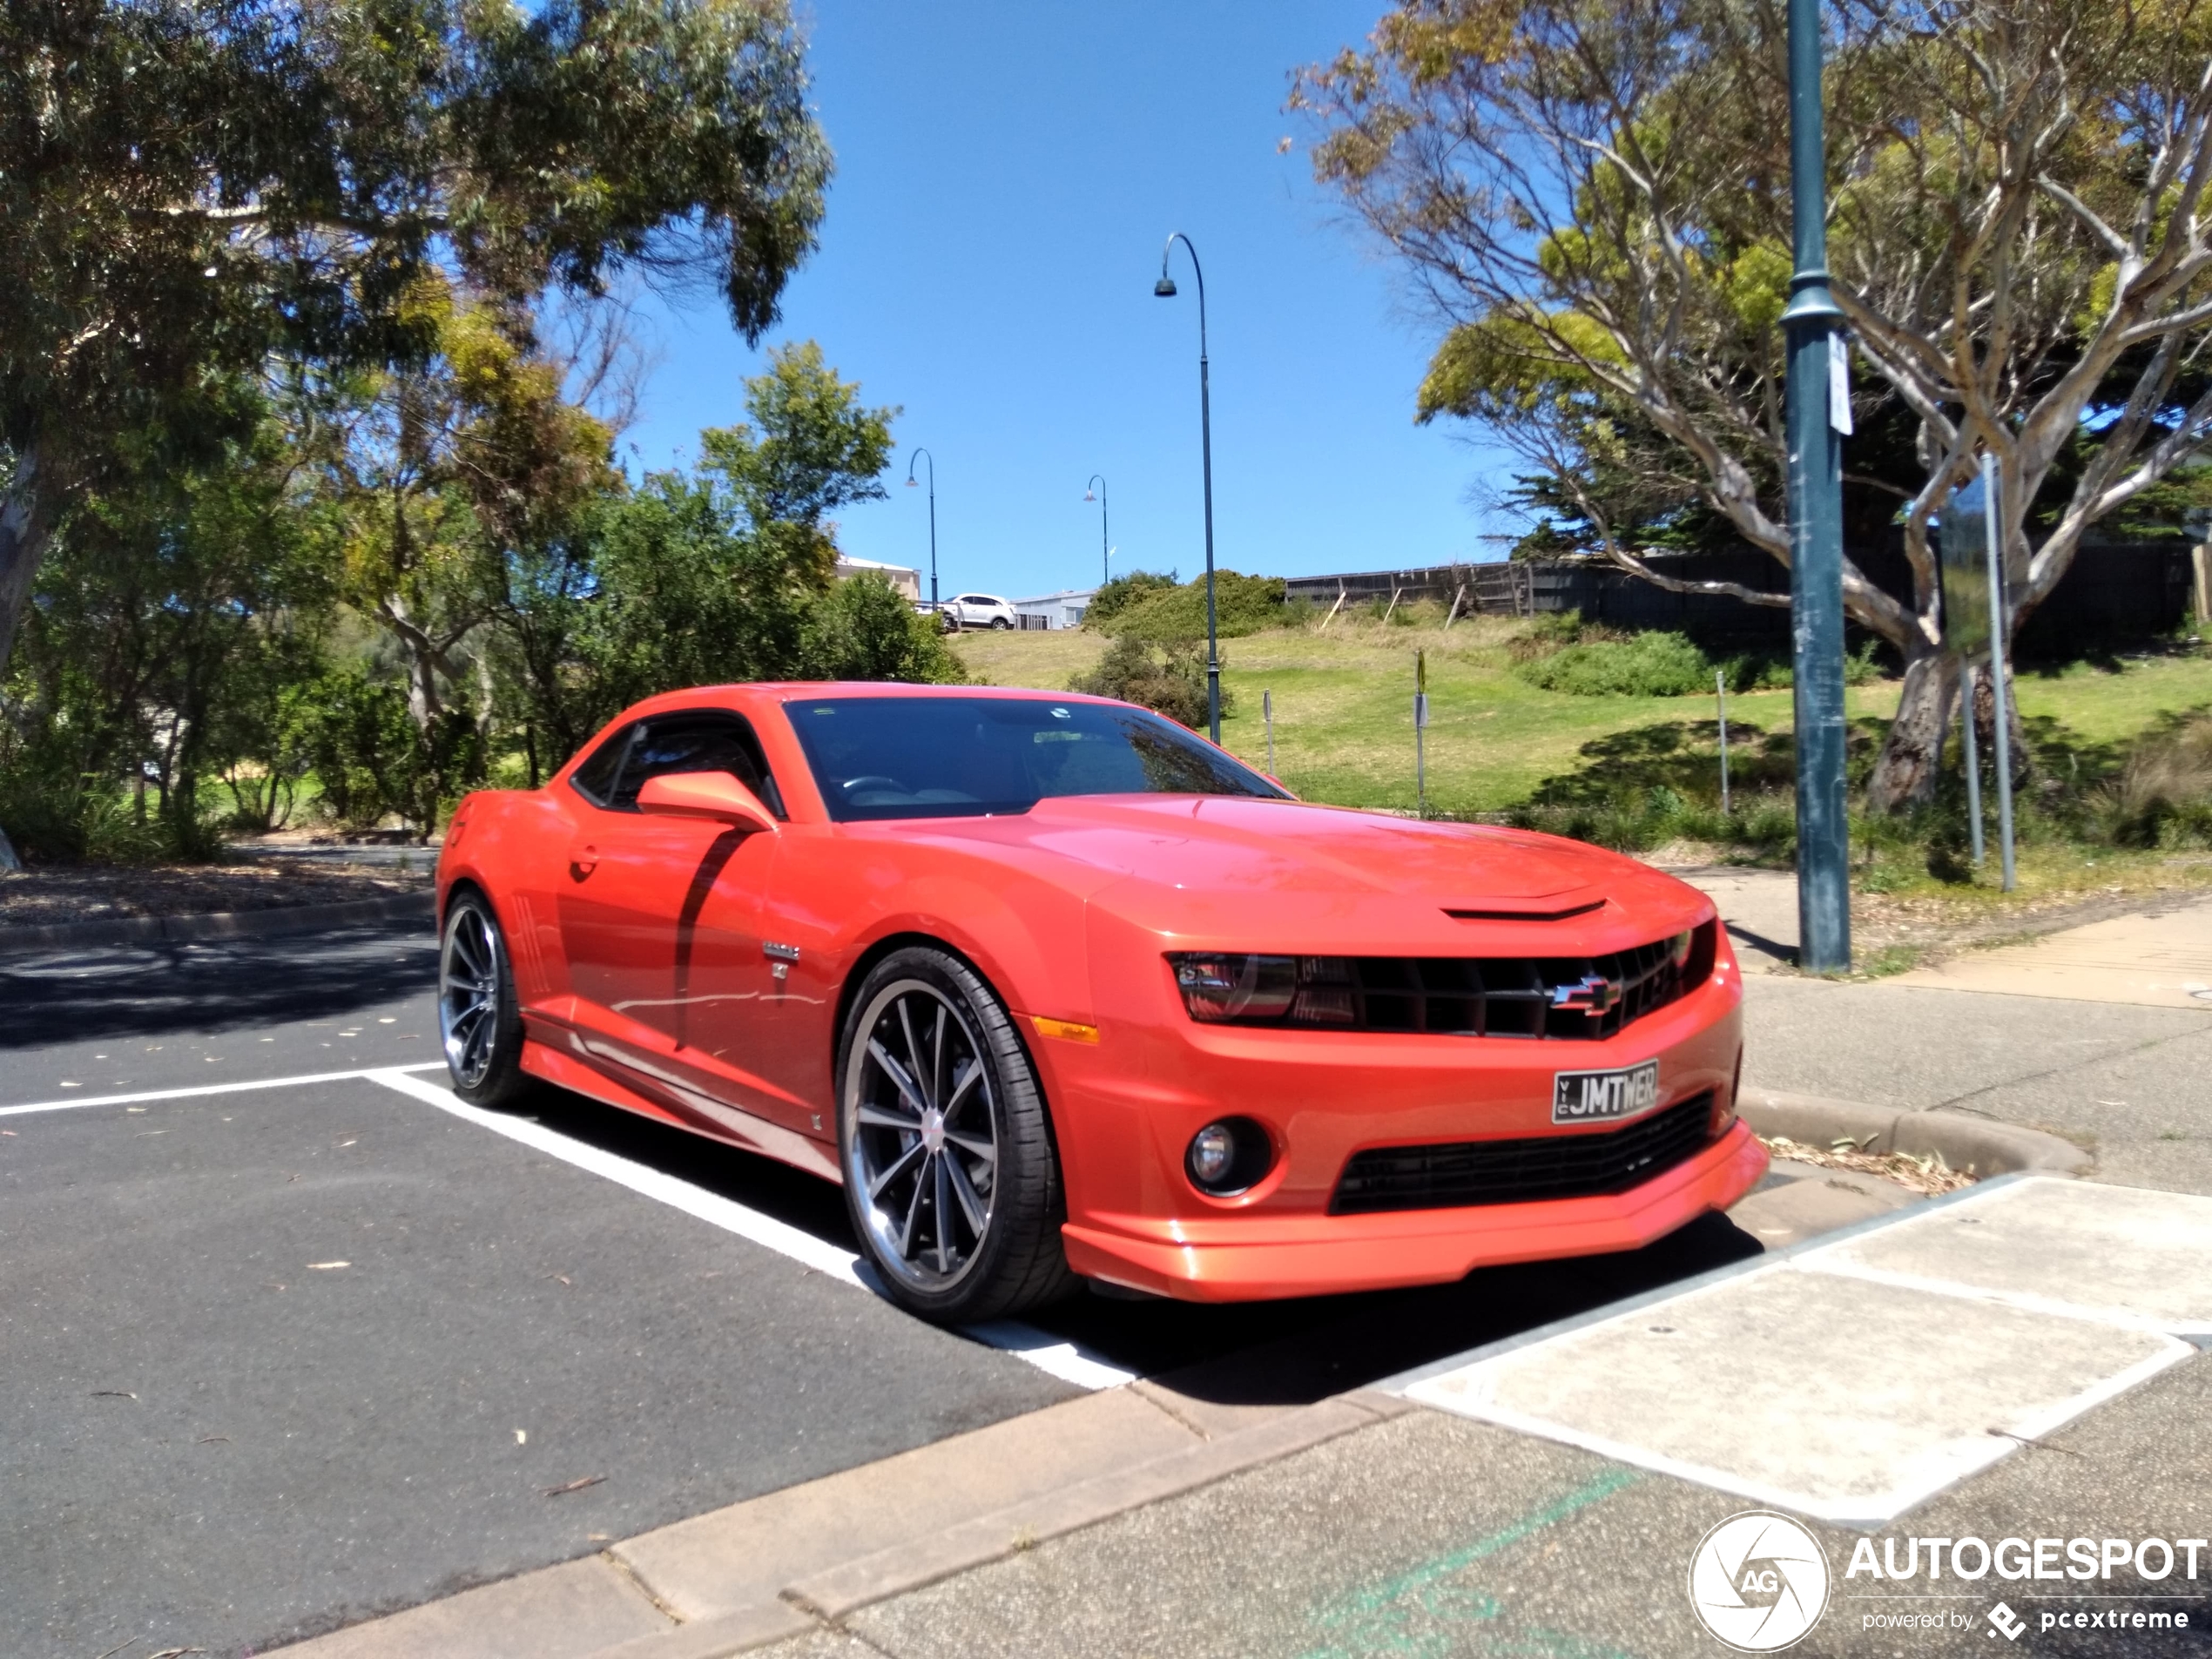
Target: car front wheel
950, 1173
480, 1020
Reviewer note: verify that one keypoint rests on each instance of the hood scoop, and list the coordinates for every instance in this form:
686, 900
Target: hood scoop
1491, 914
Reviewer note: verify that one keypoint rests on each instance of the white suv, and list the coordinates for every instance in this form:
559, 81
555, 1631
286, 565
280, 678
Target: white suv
978, 611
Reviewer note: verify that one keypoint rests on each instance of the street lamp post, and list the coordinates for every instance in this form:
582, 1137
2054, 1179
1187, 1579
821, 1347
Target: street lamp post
1818, 415
924, 454
1164, 288
1105, 557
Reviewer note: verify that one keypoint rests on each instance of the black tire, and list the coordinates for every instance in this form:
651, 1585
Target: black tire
480, 1018
925, 1138
1001, 622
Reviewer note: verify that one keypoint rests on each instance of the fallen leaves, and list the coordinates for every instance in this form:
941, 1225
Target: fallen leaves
575, 1486
1928, 1174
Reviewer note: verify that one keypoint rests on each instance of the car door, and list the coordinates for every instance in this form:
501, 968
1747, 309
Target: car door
659, 920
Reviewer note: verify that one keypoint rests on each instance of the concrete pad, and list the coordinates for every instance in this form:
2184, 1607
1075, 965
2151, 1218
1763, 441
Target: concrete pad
1836, 1397
2158, 961
2114, 1253
740, 1557
557, 1613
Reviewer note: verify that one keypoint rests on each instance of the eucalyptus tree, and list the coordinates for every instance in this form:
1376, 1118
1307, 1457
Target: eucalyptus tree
1594, 196
189, 186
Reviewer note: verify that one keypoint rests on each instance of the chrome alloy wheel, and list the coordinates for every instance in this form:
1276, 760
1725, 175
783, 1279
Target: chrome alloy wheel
923, 1142
469, 977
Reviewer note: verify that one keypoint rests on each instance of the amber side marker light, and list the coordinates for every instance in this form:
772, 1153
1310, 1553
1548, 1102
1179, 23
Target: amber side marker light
1066, 1030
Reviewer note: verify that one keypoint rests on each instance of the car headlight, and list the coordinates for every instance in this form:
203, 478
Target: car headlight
1224, 987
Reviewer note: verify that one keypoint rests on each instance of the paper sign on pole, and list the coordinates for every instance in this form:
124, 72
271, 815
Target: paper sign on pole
1839, 384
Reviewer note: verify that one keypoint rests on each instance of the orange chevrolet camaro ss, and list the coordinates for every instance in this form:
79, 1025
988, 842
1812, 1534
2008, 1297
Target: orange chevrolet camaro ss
1057, 989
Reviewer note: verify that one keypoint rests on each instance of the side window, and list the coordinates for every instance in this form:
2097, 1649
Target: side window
710, 741
595, 778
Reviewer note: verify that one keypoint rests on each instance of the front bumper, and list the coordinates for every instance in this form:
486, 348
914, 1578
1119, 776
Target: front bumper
1125, 1109
1253, 1255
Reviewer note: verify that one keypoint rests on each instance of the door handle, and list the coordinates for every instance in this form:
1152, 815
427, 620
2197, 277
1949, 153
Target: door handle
583, 861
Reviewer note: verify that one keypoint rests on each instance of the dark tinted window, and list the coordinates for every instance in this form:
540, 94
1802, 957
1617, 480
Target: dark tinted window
944, 757
678, 743
595, 778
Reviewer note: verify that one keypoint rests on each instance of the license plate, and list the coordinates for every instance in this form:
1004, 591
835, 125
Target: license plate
1600, 1096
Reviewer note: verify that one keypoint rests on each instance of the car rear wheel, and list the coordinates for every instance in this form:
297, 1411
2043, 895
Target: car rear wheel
480, 1019
1001, 622
950, 1173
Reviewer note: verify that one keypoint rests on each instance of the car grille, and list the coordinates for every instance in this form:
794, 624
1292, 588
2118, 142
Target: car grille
1517, 996
1551, 1166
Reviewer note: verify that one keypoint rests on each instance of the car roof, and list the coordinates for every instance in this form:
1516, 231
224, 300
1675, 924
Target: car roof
788, 690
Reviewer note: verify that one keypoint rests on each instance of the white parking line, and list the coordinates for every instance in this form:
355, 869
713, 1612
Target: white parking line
1064, 1359
80, 1101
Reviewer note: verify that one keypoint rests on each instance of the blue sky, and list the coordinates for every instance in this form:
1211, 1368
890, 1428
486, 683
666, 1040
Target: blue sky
1006, 174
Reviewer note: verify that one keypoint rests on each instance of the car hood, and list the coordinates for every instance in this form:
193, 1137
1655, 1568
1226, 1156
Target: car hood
1212, 864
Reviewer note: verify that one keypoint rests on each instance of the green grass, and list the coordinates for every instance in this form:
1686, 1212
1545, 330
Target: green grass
1344, 706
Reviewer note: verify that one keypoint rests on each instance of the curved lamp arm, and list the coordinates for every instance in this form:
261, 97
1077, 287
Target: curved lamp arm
1165, 287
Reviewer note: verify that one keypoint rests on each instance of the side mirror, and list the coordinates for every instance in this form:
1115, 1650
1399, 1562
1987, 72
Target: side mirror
715, 795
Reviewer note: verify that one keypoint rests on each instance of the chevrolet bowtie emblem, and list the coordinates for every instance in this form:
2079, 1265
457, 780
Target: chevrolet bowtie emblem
1592, 994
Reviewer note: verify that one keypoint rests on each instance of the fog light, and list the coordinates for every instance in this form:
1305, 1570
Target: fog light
1213, 1149
1228, 1157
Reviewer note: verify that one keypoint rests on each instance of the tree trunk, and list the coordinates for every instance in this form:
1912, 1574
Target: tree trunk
26, 518
1905, 775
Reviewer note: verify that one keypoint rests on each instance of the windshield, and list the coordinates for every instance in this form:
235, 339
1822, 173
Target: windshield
948, 757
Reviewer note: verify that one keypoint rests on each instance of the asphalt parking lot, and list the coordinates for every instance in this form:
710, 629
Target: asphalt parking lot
286, 1357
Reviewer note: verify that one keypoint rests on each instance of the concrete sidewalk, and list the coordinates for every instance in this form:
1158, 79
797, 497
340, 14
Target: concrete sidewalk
1550, 1504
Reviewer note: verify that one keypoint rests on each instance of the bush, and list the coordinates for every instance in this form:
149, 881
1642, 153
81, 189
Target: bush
1652, 664
1242, 604
1168, 679
1560, 652
1121, 593
2162, 795
865, 630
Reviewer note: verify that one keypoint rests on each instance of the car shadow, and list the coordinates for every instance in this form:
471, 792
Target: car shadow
1285, 1353
210, 985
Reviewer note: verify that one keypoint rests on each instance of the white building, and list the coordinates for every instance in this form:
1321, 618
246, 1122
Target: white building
1061, 610
907, 582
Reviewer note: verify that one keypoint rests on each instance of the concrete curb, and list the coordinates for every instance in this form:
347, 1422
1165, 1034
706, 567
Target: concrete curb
225, 924
841, 1590
833, 1593
1981, 1144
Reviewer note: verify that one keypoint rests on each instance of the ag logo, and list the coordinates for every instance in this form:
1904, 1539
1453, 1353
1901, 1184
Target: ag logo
1759, 1582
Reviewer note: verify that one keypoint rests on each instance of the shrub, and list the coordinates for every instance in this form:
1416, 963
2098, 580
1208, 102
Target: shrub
865, 630
1121, 593
2163, 794
1651, 665
1169, 679
1242, 604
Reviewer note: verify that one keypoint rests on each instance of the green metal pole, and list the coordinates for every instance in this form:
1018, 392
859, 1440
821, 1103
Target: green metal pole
1813, 323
